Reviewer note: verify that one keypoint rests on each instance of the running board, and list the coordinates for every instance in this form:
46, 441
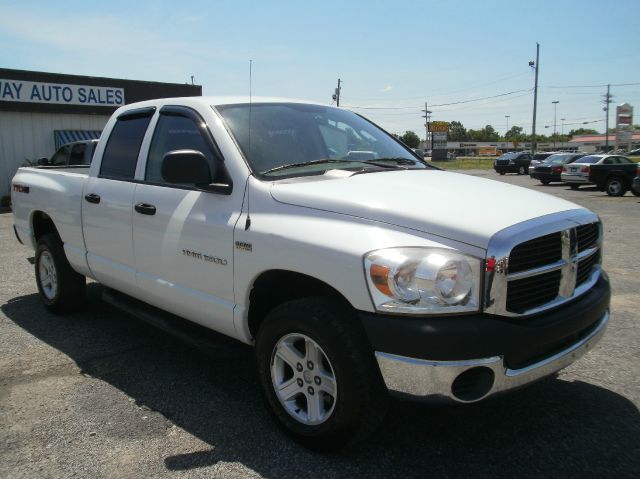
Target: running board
203, 339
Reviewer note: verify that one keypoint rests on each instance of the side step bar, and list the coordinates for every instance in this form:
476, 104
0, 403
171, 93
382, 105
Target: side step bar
203, 339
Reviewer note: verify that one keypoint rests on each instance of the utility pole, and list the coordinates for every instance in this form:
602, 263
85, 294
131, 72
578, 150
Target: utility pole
426, 126
562, 127
336, 95
507, 117
536, 66
555, 107
606, 101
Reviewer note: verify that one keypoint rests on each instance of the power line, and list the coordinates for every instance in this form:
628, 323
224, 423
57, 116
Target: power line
592, 86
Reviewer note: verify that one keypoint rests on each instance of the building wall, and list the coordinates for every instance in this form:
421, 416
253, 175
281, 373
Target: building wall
25, 135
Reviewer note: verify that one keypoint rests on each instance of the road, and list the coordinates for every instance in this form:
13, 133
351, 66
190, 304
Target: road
101, 394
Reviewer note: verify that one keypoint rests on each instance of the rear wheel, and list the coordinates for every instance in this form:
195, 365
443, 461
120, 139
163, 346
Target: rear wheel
318, 373
615, 186
545, 182
501, 172
574, 186
522, 170
61, 288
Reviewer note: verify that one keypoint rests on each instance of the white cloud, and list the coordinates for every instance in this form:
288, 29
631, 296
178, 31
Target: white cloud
386, 89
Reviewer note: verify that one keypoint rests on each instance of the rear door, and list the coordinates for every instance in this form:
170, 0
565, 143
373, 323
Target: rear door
183, 238
107, 206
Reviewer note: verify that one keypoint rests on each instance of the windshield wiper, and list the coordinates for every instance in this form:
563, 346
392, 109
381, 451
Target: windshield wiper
314, 162
398, 162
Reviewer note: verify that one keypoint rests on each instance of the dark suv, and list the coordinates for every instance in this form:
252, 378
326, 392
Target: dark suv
513, 163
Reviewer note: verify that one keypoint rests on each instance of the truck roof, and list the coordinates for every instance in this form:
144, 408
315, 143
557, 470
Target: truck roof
213, 101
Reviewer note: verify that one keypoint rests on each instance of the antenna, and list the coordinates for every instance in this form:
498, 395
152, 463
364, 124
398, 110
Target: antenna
247, 223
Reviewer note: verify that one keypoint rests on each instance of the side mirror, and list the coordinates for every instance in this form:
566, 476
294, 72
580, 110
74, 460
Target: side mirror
43, 161
192, 168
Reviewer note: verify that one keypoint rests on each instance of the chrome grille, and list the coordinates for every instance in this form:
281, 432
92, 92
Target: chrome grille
542, 263
527, 293
535, 253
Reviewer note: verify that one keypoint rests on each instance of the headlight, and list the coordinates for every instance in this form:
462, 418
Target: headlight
423, 280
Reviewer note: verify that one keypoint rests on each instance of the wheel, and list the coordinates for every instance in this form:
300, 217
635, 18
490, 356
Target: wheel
545, 182
574, 186
522, 170
615, 186
318, 373
61, 288
501, 173
635, 192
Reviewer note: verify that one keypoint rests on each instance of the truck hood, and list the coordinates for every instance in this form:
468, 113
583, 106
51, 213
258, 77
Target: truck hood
451, 205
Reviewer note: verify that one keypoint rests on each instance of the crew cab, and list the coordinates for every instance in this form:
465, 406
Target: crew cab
614, 175
355, 269
513, 163
72, 154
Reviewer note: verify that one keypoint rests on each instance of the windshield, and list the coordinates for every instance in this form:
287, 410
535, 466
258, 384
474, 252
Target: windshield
561, 159
507, 156
296, 139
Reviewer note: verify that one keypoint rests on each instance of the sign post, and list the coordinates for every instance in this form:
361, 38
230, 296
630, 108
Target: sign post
439, 130
624, 125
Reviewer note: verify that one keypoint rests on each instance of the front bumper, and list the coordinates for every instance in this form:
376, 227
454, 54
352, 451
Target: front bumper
468, 358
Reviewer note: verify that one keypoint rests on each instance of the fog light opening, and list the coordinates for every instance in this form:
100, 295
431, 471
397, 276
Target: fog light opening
473, 384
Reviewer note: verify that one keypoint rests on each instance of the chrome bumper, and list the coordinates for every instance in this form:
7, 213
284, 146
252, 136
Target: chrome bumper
473, 380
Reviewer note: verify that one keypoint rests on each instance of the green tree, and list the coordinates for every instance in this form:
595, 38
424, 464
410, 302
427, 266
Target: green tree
410, 139
583, 131
457, 132
515, 133
488, 133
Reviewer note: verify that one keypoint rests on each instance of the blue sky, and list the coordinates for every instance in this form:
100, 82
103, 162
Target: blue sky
394, 55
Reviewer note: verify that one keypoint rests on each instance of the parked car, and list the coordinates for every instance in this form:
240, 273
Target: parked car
419, 152
577, 173
614, 175
513, 163
72, 154
635, 152
551, 169
325, 258
539, 158
635, 185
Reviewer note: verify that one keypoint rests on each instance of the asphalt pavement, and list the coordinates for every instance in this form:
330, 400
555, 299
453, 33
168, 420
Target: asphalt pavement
102, 394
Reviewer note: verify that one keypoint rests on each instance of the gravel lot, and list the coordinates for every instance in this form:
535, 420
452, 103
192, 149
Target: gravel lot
101, 394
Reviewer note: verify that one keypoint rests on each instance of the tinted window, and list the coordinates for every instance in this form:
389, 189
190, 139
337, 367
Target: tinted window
77, 154
624, 161
121, 154
175, 133
60, 157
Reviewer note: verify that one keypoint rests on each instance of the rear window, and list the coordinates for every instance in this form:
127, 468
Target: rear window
589, 159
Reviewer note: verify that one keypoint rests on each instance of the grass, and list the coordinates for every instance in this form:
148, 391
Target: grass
466, 163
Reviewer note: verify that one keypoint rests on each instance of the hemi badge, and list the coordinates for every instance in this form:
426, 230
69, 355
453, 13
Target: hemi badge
20, 188
244, 246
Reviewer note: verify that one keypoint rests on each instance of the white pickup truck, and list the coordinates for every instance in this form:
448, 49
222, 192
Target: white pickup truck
353, 267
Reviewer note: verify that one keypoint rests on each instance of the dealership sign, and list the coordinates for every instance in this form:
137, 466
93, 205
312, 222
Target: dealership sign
60, 94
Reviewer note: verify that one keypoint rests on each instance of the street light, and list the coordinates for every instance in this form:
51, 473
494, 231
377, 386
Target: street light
555, 105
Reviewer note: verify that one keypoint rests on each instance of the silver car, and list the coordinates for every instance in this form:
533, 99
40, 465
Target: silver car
577, 173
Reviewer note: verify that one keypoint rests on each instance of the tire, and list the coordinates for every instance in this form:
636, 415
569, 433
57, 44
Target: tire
574, 186
61, 288
615, 186
635, 192
350, 396
501, 173
545, 182
522, 170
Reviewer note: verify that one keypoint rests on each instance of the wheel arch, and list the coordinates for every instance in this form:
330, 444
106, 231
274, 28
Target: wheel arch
42, 224
274, 287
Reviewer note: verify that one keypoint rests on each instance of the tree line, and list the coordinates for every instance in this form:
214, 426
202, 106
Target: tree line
457, 132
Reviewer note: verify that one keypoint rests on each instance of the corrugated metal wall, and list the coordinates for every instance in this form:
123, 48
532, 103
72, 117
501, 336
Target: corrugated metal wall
30, 136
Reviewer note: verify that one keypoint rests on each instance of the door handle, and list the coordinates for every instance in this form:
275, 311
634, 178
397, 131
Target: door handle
145, 209
92, 198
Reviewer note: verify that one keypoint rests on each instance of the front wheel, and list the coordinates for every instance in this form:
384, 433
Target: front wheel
522, 170
501, 173
61, 288
545, 182
615, 187
318, 373
574, 186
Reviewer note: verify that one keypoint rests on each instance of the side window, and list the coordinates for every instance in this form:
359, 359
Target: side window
121, 153
77, 154
623, 160
609, 161
60, 157
175, 133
